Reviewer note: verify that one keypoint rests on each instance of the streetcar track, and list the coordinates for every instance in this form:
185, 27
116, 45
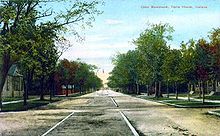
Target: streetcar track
131, 127
114, 101
115, 104
51, 129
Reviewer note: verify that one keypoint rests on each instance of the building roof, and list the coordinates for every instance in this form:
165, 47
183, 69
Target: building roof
13, 71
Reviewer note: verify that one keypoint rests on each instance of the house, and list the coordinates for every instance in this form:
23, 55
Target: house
13, 86
61, 89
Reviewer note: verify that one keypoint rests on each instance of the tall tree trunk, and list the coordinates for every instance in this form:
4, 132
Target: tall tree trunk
137, 88
176, 90
207, 86
148, 92
168, 93
51, 94
30, 80
25, 94
155, 89
27, 84
42, 88
51, 86
12, 93
200, 89
213, 88
127, 89
67, 90
72, 88
4, 67
203, 92
188, 91
159, 90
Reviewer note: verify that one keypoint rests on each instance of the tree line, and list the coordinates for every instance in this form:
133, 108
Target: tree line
81, 75
32, 36
157, 67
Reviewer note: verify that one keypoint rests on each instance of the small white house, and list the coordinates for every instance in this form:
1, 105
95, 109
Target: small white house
13, 86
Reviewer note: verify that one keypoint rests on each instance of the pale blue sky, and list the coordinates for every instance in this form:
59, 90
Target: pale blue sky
123, 20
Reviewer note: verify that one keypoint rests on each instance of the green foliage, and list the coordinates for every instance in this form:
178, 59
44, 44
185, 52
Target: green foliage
171, 66
142, 66
152, 43
30, 31
80, 74
125, 71
154, 61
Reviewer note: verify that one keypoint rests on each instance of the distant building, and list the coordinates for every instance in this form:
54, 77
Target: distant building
104, 77
13, 86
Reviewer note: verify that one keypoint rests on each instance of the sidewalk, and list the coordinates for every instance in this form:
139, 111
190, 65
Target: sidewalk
18, 101
196, 99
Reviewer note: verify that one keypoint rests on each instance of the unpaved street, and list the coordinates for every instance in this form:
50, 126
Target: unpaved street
95, 114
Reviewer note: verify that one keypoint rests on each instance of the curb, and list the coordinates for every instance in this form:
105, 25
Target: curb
174, 105
18, 101
181, 106
214, 113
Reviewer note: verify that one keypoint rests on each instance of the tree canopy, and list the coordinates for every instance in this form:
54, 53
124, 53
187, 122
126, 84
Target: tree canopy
155, 64
32, 32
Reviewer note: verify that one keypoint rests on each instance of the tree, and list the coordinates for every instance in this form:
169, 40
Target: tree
144, 71
83, 75
40, 61
131, 62
119, 76
170, 69
125, 74
153, 44
79, 74
67, 72
214, 51
18, 18
187, 67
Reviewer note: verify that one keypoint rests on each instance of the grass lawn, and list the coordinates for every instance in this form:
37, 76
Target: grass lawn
218, 111
185, 95
161, 98
156, 99
34, 103
8, 99
180, 95
31, 104
179, 102
214, 97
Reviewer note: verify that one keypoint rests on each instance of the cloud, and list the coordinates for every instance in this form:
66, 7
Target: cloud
113, 22
96, 38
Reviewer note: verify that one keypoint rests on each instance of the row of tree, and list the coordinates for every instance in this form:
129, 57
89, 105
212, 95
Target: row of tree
31, 35
155, 66
79, 74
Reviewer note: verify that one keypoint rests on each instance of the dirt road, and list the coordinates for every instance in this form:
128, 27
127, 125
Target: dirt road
95, 114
